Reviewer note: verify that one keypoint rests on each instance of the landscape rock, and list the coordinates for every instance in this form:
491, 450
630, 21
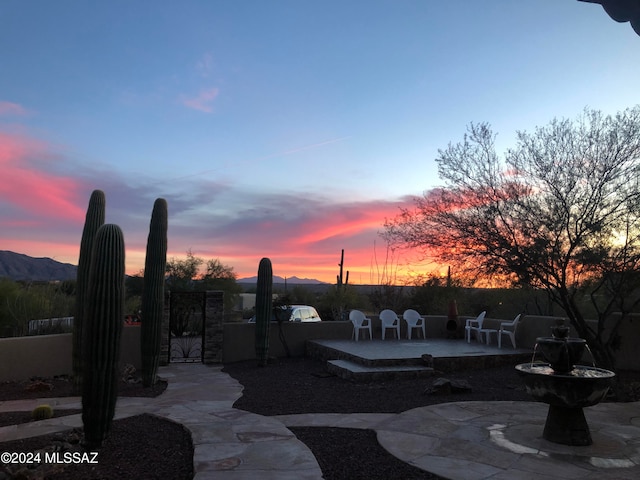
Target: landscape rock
129, 374
38, 386
444, 386
428, 360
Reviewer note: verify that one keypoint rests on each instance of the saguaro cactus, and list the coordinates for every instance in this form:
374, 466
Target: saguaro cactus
93, 221
153, 292
341, 281
340, 308
264, 301
105, 302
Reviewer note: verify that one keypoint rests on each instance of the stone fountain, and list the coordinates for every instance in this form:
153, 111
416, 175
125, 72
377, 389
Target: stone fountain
565, 386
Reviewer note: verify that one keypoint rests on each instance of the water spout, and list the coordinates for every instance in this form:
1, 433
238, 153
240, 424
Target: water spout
533, 357
593, 359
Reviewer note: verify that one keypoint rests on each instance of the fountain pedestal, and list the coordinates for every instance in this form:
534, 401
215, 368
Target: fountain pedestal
566, 387
567, 426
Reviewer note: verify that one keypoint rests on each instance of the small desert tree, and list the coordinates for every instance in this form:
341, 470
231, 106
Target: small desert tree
219, 276
182, 274
560, 212
186, 275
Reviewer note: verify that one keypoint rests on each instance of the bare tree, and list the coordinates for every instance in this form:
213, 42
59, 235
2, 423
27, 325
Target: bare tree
560, 212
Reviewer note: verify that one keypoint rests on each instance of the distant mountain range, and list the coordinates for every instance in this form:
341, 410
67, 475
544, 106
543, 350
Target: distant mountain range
290, 280
17, 266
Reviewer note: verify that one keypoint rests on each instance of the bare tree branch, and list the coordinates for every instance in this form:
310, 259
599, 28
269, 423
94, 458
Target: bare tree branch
549, 214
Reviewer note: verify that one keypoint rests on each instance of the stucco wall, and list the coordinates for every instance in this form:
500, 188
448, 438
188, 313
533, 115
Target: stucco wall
627, 356
533, 326
239, 338
50, 355
239, 343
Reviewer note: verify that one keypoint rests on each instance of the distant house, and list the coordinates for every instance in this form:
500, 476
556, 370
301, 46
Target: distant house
245, 301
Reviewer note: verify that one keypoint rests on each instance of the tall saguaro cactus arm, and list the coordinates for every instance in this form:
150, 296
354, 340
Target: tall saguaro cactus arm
339, 309
341, 281
93, 221
153, 292
105, 306
264, 299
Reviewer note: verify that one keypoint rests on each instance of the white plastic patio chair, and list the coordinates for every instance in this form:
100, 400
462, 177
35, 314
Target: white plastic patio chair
414, 320
475, 325
360, 323
508, 328
389, 319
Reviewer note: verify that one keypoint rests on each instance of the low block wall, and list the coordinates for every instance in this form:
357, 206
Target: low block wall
50, 355
239, 338
627, 357
531, 327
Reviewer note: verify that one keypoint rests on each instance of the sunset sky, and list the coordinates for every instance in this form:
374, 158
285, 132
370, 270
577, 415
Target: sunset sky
285, 129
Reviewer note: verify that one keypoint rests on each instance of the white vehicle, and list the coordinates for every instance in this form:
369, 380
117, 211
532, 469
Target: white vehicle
295, 313
302, 313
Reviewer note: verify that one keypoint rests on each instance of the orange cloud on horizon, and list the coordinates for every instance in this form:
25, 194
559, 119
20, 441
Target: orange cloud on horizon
309, 246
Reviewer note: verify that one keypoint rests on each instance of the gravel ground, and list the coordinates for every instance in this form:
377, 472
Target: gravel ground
140, 447
300, 385
148, 447
291, 386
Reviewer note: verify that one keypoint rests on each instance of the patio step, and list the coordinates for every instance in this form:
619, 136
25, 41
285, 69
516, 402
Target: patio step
379, 360
365, 373
323, 352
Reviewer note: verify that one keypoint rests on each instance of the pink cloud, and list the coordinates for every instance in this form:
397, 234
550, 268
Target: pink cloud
344, 221
9, 108
30, 189
203, 101
42, 214
304, 243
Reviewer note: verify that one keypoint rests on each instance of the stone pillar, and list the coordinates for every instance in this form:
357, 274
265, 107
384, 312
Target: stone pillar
213, 330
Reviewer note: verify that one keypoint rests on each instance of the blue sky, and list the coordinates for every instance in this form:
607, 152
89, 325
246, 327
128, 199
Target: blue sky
287, 129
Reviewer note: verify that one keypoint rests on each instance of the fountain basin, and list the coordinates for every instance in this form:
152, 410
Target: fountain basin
567, 394
581, 387
562, 353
